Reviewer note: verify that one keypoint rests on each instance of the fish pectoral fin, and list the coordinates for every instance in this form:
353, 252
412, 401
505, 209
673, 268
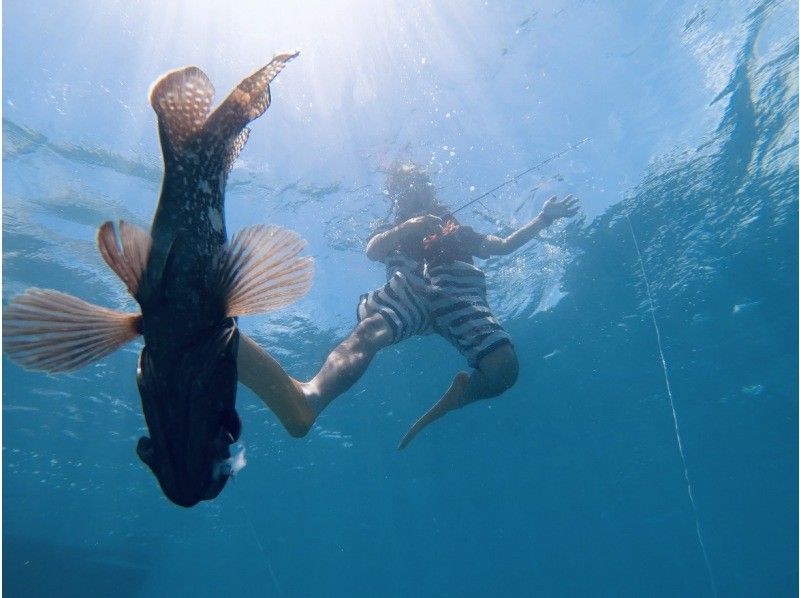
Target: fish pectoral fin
50, 331
260, 270
125, 254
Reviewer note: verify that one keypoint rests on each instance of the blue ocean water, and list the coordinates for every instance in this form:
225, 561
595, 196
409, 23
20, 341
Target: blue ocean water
573, 483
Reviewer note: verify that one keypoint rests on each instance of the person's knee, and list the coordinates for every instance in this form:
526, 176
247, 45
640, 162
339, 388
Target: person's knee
508, 371
371, 333
501, 368
300, 424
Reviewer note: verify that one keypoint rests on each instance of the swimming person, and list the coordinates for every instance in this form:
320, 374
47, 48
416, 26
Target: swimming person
432, 286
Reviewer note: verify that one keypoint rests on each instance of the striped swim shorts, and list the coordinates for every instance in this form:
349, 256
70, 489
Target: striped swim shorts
449, 300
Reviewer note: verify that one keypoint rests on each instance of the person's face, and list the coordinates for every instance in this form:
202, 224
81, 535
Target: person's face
418, 198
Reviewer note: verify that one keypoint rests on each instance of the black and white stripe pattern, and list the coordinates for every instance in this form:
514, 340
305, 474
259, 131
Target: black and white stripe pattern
457, 293
448, 299
401, 301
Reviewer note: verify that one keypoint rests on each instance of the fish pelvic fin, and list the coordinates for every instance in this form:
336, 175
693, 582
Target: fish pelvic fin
125, 253
260, 270
49, 331
191, 133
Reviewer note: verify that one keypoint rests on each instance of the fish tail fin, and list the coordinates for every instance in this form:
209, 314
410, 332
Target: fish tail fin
53, 332
190, 132
260, 270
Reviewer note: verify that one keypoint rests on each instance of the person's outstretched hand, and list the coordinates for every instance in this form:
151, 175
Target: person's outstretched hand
555, 208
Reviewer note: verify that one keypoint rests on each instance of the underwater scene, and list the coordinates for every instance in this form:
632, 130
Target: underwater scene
560, 236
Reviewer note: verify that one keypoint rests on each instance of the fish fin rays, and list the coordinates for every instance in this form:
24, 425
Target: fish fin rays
235, 149
191, 132
182, 101
249, 100
125, 253
260, 270
53, 332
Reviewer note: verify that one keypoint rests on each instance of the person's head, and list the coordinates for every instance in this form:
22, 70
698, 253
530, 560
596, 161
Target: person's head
411, 191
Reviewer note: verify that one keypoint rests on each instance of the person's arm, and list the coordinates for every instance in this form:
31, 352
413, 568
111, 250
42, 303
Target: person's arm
381, 244
552, 210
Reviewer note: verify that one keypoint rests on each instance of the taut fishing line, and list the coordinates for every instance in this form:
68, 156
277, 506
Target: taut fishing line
674, 413
523, 173
272, 575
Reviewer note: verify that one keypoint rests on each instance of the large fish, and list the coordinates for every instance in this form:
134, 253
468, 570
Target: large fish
190, 283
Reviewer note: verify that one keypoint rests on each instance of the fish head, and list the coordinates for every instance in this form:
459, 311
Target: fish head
189, 406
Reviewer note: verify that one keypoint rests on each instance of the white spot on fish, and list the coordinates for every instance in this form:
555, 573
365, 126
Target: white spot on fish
215, 219
230, 466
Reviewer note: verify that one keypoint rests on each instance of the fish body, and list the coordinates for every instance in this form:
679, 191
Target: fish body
191, 284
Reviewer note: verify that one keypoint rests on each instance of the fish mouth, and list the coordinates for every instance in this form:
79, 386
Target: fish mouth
175, 476
189, 406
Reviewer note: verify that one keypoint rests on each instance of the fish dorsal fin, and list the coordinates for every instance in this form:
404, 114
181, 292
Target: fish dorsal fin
247, 102
182, 101
236, 148
126, 255
259, 270
49, 331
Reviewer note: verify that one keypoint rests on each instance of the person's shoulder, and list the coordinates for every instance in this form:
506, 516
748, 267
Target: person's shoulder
470, 239
468, 232
377, 228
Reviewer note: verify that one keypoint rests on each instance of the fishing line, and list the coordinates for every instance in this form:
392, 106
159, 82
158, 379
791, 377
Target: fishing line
263, 552
674, 413
523, 173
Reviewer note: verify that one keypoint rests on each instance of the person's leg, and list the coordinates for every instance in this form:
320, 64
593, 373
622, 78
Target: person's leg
297, 404
347, 362
281, 393
494, 374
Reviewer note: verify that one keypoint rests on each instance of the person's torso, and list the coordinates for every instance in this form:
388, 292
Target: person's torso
454, 243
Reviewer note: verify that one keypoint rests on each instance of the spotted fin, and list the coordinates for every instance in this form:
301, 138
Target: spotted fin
190, 132
49, 331
247, 102
182, 101
235, 149
259, 270
125, 254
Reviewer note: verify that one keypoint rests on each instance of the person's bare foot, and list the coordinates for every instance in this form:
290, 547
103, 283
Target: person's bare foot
450, 400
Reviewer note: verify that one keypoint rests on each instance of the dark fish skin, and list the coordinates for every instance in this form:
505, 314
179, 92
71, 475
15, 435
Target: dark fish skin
191, 285
187, 370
